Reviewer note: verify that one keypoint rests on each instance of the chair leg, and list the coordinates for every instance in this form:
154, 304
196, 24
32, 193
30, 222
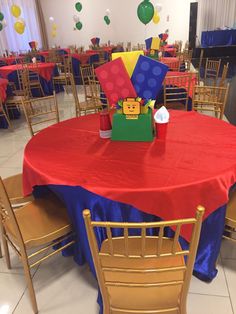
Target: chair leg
6, 250
41, 90
30, 284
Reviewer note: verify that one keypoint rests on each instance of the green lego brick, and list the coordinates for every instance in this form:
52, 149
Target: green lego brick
139, 130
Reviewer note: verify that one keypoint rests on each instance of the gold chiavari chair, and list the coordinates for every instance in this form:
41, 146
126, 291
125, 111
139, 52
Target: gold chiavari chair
174, 65
14, 189
98, 96
40, 113
37, 226
230, 218
144, 274
210, 98
66, 74
223, 78
212, 69
176, 91
87, 72
33, 78
102, 60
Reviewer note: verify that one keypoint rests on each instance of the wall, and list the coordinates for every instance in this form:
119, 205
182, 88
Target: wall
124, 26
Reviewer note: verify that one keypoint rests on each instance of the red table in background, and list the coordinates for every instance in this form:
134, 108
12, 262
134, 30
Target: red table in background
11, 60
3, 89
83, 57
169, 51
182, 74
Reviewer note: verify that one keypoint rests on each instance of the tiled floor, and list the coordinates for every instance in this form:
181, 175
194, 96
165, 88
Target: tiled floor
62, 286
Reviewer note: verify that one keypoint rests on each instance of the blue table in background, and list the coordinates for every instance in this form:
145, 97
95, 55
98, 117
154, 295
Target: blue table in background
218, 38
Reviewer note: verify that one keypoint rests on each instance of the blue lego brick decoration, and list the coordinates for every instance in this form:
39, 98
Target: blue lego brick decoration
148, 43
148, 77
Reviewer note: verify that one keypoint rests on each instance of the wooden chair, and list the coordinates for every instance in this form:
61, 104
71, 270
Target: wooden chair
212, 69
210, 98
40, 112
223, 78
174, 66
14, 188
230, 218
143, 274
87, 72
37, 226
33, 78
98, 96
66, 74
176, 91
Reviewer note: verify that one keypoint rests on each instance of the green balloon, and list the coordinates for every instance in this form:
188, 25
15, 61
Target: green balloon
1, 27
145, 11
107, 20
1, 16
79, 25
78, 6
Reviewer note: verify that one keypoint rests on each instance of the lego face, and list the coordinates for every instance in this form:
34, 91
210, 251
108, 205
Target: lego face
131, 107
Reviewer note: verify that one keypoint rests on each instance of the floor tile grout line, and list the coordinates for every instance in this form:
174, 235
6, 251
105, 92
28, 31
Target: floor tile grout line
210, 295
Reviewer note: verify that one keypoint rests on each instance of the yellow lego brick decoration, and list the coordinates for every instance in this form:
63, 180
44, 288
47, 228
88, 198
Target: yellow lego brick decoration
129, 59
156, 41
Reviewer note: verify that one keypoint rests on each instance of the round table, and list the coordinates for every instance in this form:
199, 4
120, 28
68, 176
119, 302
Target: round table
3, 89
139, 181
198, 160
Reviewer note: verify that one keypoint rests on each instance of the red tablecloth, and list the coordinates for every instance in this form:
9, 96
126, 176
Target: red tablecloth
3, 89
175, 73
11, 60
83, 57
170, 51
45, 70
196, 165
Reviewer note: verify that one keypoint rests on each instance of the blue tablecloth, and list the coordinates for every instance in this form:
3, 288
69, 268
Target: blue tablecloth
77, 199
218, 38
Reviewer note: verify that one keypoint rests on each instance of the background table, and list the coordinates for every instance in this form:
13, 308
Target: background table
10, 60
218, 38
131, 181
46, 72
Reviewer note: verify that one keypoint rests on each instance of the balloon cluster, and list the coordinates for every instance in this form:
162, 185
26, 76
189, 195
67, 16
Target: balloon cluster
54, 26
146, 12
76, 18
107, 17
19, 25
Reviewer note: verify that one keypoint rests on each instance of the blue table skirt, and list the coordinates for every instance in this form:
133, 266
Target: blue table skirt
218, 38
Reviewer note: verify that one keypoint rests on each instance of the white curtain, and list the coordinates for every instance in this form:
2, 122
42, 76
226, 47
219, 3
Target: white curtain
9, 38
213, 14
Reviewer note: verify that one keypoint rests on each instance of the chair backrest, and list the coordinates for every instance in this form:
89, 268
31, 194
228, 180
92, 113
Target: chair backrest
97, 95
174, 65
177, 89
210, 96
7, 215
224, 75
87, 72
129, 264
212, 69
41, 112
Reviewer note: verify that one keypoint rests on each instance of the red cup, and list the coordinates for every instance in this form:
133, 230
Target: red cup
161, 130
105, 125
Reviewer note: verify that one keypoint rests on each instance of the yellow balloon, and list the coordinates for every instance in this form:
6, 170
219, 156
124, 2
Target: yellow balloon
15, 10
156, 18
54, 27
19, 27
54, 34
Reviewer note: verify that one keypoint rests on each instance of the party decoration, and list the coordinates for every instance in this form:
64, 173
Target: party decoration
15, 10
107, 20
4, 23
54, 26
156, 17
148, 76
115, 81
76, 18
108, 12
21, 20
19, 27
1, 27
1, 16
79, 25
129, 59
95, 41
54, 34
78, 6
158, 7
51, 19
145, 11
